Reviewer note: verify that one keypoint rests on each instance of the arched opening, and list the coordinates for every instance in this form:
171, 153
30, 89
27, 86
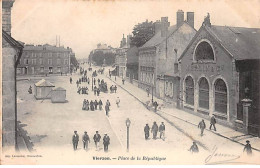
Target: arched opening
204, 52
220, 96
203, 93
189, 90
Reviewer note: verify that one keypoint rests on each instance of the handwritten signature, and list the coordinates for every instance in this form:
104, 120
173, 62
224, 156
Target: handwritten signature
223, 157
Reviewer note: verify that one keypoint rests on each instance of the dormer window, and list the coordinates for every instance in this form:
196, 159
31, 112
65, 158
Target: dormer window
204, 52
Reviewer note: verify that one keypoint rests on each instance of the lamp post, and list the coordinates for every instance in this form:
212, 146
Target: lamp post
127, 122
152, 93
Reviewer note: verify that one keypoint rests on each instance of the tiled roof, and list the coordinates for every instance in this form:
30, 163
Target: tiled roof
242, 43
48, 48
44, 83
157, 38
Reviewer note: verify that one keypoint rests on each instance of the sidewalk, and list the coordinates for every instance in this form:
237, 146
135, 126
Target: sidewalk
184, 116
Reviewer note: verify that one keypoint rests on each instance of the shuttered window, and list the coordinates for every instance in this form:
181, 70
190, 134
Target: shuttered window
220, 96
203, 93
189, 90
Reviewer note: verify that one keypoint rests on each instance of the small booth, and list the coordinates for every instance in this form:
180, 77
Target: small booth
58, 95
42, 89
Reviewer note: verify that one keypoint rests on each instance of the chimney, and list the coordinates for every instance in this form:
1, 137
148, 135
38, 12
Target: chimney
157, 26
190, 18
180, 18
6, 15
164, 26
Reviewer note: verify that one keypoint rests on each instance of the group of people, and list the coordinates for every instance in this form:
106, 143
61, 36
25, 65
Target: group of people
202, 124
92, 105
86, 140
83, 90
154, 131
113, 89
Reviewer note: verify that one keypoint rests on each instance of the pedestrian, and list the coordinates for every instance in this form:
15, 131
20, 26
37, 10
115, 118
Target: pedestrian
100, 104
123, 81
248, 148
146, 131
97, 138
95, 104
155, 106
148, 91
117, 101
95, 90
87, 105
70, 80
98, 81
107, 107
154, 130
106, 142
88, 80
85, 140
115, 88
30, 90
162, 131
84, 105
111, 89
213, 122
75, 140
94, 81
202, 126
98, 91
91, 105
194, 148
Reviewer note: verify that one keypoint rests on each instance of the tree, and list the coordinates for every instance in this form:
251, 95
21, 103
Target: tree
142, 32
99, 56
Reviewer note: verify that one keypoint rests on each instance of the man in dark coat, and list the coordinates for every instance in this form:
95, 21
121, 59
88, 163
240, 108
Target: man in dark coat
98, 91
202, 126
154, 130
91, 105
155, 106
162, 131
94, 81
95, 90
95, 104
115, 88
97, 138
85, 140
194, 148
248, 148
107, 107
212, 122
106, 142
146, 131
100, 104
75, 140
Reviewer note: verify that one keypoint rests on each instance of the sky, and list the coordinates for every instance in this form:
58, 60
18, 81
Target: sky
82, 24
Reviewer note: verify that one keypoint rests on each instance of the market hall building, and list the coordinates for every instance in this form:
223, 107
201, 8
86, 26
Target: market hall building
220, 75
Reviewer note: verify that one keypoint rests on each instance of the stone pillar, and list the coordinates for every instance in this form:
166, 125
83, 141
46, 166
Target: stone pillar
246, 104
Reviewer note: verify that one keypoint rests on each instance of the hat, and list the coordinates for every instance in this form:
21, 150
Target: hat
96, 131
85, 132
194, 142
75, 131
247, 141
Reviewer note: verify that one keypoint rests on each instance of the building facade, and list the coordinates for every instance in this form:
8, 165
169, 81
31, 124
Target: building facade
132, 63
217, 70
44, 59
11, 53
169, 51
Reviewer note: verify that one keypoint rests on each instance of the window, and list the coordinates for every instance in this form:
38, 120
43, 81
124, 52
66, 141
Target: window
189, 90
26, 61
203, 93
58, 69
40, 60
50, 61
65, 61
42, 69
220, 96
204, 51
34, 62
58, 61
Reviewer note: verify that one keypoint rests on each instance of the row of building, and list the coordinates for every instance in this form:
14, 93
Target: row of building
46, 59
209, 71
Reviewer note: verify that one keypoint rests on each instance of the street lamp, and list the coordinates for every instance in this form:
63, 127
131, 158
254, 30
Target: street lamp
127, 123
152, 93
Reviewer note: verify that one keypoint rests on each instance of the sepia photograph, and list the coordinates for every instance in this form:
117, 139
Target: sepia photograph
130, 82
